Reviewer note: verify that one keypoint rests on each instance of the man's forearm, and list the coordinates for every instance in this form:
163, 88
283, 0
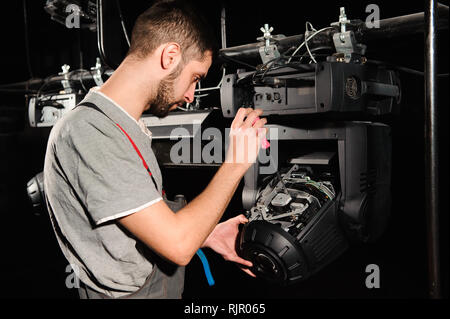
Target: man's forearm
197, 219
178, 236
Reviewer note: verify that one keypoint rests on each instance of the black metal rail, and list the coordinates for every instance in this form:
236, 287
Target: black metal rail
431, 148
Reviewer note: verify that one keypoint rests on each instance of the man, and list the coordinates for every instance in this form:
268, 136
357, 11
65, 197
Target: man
108, 211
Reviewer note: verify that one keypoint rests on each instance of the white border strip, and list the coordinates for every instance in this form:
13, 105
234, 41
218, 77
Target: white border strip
128, 212
115, 104
175, 119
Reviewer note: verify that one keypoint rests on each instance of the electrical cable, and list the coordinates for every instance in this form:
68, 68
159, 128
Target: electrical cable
80, 77
183, 109
266, 67
201, 95
47, 81
273, 66
124, 29
81, 64
100, 35
319, 48
307, 39
217, 87
27, 45
206, 268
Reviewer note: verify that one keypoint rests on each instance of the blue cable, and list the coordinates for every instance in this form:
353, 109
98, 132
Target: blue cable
205, 263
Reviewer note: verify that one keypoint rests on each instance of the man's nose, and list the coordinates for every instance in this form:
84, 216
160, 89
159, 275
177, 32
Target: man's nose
189, 95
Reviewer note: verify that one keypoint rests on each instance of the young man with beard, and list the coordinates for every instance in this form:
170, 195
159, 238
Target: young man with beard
102, 182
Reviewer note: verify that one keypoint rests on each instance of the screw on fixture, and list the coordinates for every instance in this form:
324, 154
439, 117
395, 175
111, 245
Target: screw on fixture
266, 30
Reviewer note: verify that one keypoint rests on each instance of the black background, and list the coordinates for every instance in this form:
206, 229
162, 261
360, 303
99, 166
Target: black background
32, 266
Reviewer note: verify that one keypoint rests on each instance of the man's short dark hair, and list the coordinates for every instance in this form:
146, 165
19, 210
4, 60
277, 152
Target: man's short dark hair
172, 21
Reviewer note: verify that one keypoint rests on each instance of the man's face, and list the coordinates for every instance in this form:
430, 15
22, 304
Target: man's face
178, 87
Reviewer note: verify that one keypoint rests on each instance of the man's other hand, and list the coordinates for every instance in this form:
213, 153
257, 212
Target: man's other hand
223, 241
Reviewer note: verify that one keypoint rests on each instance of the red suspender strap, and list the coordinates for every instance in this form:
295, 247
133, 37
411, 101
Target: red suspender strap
136, 149
92, 105
139, 154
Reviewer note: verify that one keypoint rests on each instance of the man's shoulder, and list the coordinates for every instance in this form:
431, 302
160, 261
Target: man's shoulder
81, 122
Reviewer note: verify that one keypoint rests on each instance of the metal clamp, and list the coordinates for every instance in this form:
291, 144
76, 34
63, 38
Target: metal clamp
347, 48
65, 82
269, 50
97, 74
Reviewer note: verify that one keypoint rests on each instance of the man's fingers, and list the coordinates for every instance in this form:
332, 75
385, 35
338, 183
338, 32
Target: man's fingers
248, 271
258, 119
260, 123
241, 219
251, 117
241, 261
240, 116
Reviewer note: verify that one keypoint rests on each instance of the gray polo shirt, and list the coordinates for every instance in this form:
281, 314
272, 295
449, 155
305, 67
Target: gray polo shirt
92, 177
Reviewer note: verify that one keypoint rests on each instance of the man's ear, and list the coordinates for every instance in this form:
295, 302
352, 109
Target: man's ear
170, 55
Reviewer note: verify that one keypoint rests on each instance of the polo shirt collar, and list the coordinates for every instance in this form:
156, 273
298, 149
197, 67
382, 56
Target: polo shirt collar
116, 112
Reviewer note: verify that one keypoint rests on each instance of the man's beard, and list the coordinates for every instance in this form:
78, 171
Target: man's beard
164, 99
